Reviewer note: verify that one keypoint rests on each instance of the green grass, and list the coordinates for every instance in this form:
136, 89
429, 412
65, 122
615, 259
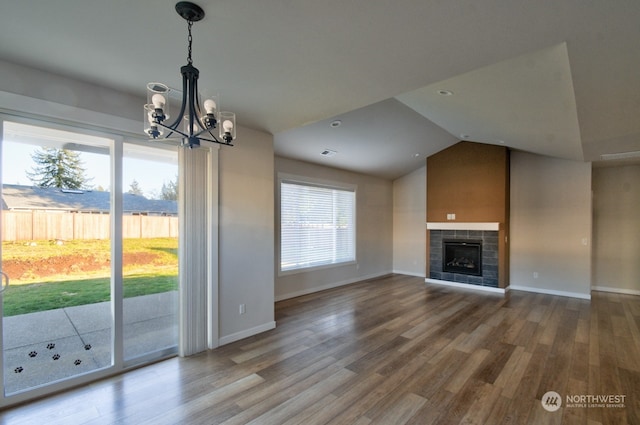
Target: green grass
67, 290
24, 299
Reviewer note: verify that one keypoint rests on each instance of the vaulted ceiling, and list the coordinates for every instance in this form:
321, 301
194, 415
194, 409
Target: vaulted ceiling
404, 78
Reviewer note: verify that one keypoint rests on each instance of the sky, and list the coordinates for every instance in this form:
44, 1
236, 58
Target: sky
150, 175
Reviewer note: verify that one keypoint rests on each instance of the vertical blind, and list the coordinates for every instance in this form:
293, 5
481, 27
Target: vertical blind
317, 226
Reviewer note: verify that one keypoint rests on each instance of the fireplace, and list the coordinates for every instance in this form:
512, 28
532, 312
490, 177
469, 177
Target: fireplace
462, 256
466, 247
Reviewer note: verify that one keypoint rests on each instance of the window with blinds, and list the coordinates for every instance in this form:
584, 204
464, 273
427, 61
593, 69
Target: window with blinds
317, 225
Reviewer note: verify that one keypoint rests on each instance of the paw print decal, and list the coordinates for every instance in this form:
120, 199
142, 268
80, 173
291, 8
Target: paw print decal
56, 356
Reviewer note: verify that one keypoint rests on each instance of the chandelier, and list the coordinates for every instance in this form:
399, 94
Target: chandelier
199, 117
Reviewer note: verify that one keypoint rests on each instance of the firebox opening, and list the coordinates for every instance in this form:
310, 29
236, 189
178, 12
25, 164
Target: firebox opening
462, 256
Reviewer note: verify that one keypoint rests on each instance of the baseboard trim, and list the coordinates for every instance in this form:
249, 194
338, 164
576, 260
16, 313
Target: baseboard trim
616, 290
468, 286
328, 286
551, 292
409, 273
246, 333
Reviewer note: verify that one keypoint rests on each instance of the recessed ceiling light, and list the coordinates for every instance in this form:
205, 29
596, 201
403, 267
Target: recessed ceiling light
465, 136
328, 152
335, 123
445, 92
501, 142
416, 155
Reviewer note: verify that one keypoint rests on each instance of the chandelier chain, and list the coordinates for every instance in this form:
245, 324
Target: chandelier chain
190, 39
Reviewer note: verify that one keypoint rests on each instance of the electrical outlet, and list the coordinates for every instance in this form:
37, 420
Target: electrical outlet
535, 275
242, 309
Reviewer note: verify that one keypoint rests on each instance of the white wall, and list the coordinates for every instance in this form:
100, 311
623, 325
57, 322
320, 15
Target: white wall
63, 91
246, 244
550, 224
409, 228
616, 224
374, 231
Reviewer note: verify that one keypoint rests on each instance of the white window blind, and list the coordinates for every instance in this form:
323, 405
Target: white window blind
317, 225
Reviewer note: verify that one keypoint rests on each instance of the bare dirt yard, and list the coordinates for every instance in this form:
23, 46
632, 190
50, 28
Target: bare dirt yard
21, 269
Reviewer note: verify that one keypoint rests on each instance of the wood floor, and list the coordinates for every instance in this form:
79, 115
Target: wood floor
387, 351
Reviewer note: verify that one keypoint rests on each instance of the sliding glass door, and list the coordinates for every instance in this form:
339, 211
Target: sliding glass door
89, 278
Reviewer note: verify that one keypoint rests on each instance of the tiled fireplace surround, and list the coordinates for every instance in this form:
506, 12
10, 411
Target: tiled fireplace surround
489, 240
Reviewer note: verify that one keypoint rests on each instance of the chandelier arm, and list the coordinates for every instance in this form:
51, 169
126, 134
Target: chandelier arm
215, 140
198, 107
191, 107
192, 99
193, 110
174, 125
172, 130
204, 131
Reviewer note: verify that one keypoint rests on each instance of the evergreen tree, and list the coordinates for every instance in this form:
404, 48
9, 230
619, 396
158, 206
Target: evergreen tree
58, 168
135, 189
169, 190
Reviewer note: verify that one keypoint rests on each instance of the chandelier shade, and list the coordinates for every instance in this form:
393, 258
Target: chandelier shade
199, 117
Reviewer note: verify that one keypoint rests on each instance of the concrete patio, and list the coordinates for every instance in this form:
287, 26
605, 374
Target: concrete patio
50, 345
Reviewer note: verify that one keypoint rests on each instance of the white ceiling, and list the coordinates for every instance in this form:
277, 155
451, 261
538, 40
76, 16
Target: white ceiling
554, 78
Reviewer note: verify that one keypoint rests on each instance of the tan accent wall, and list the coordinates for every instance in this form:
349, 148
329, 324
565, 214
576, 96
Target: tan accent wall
471, 180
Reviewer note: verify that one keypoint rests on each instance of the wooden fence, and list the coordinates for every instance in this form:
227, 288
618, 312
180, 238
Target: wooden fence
40, 225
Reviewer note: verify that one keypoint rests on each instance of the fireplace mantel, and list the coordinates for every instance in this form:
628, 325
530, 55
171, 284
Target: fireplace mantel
455, 225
